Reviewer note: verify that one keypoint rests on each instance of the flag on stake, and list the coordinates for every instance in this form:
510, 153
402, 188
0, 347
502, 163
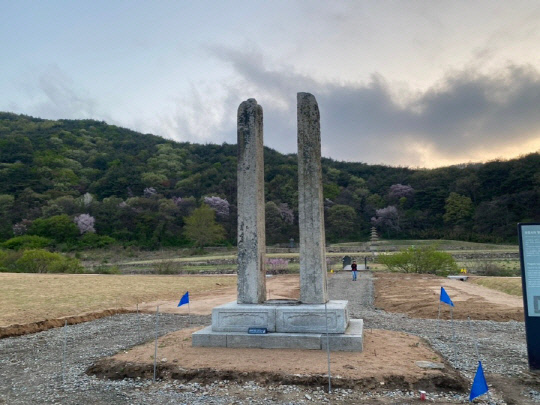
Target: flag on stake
184, 299
445, 298
479, 385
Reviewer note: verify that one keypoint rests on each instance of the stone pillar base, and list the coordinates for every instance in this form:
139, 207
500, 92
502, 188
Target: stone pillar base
291, 317
289, 325
350, 341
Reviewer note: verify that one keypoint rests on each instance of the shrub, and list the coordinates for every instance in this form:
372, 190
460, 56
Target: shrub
425, 259
27, 242
485, 268
66, 265
201, 227
36, 261
277, 265
107, 270
60, 228
166, 267
92, 240
8, 260
42, 261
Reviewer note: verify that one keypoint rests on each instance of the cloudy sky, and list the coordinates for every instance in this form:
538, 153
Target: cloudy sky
408, 83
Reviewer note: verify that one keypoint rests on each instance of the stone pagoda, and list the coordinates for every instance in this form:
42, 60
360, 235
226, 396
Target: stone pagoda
374, 239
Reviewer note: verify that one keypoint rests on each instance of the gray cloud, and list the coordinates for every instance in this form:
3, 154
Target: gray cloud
464, 115
469, 109
59, 98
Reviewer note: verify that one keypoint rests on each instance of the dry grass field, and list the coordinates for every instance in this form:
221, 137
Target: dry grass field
26, 298
508, 285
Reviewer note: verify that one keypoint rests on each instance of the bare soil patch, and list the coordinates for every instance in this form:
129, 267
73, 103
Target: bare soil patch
201, 303
417, 295
387, 362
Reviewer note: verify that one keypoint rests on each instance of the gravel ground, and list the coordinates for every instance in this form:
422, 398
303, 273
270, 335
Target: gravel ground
31, 366
500, 345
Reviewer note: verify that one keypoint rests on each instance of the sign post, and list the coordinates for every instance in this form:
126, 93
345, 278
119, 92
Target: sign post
529, 255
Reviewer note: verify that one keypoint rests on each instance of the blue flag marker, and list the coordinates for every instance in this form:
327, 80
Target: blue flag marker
479, 385
184, 299
445, 298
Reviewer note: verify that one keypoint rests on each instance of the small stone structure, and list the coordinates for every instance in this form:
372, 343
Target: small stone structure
347, 261
313, 322
374, 239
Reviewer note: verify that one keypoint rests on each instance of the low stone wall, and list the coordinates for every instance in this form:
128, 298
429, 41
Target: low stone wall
486, 256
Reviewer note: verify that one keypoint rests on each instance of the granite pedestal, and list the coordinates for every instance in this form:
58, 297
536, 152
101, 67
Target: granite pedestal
290, 325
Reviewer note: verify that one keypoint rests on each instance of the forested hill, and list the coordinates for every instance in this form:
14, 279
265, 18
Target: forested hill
139, 188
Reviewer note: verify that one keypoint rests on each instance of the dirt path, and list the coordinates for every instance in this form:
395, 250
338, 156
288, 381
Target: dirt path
412, 294
418, 296
282, 286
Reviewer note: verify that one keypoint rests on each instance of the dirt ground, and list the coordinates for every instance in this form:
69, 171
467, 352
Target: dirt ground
388, 361
418, 296
282, 286
389, 358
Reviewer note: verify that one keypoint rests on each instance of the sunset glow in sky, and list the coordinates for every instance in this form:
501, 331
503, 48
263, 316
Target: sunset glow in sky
410, 83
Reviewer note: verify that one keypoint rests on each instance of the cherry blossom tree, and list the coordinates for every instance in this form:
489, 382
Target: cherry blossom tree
149, 192
398, 191
85, 223
220, 205
21, 228
386, 218
87, 199
286, 213
277, 264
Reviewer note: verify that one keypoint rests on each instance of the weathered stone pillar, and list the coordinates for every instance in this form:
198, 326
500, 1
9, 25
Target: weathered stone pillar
310, 203
251, 237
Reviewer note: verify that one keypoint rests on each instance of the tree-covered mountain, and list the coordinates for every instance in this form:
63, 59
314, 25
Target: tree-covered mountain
139, 188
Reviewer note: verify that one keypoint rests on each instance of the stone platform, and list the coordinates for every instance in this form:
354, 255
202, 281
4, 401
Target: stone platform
289, 324
281, 316
350, 341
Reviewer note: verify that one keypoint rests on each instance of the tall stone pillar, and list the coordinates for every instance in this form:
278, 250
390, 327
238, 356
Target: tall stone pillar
310, 203
251, 236
289, 325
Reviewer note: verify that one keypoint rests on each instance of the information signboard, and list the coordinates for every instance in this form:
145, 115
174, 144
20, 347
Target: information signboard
529, 254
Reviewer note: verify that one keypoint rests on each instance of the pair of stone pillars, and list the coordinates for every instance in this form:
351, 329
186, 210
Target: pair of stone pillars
251, 206
289, 323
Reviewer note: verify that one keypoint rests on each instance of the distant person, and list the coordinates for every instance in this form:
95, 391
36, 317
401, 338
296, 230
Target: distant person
354, 269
